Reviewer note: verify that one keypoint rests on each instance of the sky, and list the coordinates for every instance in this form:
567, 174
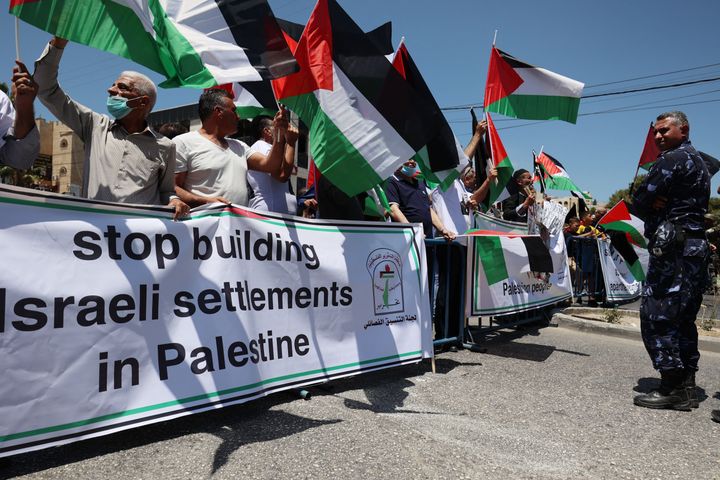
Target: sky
610, 46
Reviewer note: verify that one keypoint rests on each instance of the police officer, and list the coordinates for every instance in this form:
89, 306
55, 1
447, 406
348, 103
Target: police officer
672, 201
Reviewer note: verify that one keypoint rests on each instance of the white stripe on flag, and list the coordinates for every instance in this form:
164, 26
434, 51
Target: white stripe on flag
516, 256
203, 25
539, 81
243, 97
363, 126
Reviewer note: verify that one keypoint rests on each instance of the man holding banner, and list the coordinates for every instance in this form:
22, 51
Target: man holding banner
672, 200
125, 159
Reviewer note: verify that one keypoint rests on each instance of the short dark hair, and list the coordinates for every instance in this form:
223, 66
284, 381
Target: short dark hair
172, 130
259, 123
210, 99
518, 173
679, 118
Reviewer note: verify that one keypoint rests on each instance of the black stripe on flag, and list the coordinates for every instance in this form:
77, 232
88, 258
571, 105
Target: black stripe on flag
255, 29
621, 244
512, 61
538, 255
263, 93
373, 75
380, 36
442, 151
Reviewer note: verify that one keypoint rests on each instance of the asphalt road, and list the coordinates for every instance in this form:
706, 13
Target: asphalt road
552, 403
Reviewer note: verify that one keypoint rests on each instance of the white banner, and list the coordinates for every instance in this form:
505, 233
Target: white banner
620, 285
114, 317
483, 221
520, 291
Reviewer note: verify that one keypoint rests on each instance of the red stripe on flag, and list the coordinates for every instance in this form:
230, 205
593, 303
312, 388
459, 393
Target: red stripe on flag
314, 56
501, 80
399, 60
497, 150
15, 3
650, 150
618, 213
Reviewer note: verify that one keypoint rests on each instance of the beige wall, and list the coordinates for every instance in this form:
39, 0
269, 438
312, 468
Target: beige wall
68, 158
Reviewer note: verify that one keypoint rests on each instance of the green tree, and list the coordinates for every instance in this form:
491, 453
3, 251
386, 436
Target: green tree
4, 88
624, 193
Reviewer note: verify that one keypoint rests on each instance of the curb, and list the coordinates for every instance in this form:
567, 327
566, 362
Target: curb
620, 331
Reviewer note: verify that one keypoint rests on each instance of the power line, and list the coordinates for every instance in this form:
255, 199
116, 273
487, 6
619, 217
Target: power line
658, 87
652, 76
646, 89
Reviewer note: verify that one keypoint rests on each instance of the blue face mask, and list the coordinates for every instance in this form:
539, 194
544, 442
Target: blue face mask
410, 171
117, 106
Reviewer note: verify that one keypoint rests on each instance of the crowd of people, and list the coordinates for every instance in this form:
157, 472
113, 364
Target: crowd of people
127, 161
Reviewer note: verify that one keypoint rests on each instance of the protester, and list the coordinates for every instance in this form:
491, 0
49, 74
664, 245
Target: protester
212, 167
172, 130
125, 159
515, 208
672, 201
334, 204
410, 203
307, 205
19, 138
270, 191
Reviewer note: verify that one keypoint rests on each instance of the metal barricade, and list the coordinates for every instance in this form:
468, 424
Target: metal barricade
447, 265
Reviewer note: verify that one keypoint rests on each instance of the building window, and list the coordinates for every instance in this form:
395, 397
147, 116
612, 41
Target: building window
63, 170
63, 143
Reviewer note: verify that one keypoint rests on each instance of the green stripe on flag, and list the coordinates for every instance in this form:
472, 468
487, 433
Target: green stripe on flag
537, 107
490, 251
637, 271
114, 28
625, 227
505, 170
245, 112
334, 155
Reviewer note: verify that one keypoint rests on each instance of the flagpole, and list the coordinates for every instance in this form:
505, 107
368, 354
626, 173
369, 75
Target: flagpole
17, 38
494, 38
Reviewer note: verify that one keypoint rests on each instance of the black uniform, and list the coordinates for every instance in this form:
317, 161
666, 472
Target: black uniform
679, 253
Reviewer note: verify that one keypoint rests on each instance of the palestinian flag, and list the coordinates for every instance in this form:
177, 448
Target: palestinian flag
627, 250
193, 44
519, 90
502, 253
554, 174
364, 119
252, 99
650, 151
501, 161
380, 36
620, 219
442, 158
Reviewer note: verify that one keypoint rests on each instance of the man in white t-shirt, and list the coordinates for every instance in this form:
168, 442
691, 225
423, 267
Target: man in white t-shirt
270, 191
212, 168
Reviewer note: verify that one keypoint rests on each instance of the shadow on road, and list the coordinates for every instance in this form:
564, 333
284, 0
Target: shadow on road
236, 426
502, 344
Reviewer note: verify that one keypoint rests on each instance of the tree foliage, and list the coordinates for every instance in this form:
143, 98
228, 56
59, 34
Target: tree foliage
624, 193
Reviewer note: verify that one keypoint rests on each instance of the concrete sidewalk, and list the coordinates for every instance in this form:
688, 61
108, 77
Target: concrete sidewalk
590, 320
